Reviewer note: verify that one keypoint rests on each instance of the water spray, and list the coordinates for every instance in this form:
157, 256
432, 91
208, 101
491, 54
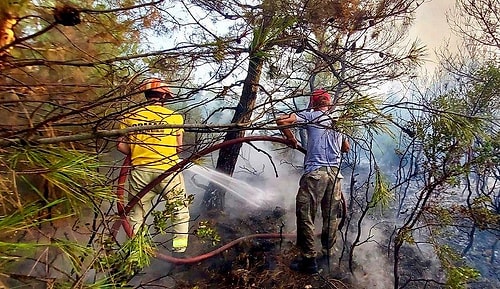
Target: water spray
123, 210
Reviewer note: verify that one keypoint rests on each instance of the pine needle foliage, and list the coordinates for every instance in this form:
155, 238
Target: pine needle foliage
73, 252
458, 134
382, 194
69, 173
363, 113
457, 274
459, 122
121, 262
27, 217
265, 36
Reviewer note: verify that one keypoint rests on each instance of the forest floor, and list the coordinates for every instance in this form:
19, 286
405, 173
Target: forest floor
252, 263
264, 263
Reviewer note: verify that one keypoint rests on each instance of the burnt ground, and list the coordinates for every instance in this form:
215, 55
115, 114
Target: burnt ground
264, 263
253, 263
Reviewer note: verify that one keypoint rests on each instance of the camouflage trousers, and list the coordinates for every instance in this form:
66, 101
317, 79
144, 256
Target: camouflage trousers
319, 188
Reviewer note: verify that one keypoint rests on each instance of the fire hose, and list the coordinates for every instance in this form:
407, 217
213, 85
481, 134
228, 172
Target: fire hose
123, 210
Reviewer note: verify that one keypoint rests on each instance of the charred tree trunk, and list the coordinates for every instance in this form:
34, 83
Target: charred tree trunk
214, 198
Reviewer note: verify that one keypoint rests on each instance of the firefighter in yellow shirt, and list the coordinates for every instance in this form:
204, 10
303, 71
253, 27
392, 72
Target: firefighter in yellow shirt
152, 152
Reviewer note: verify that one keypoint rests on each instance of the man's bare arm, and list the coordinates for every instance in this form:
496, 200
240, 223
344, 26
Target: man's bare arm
288, 120
123, 146
346, 146
180, 143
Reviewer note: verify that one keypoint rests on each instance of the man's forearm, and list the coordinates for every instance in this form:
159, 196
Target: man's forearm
288, 134
288, 120
123, 146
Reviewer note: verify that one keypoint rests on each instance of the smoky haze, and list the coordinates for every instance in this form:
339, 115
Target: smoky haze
257, 170
432, 29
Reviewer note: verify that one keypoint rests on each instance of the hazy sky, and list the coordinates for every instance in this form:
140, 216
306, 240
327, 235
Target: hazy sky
432, 28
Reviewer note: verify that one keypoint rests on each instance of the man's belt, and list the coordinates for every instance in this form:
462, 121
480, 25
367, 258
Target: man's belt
327, 169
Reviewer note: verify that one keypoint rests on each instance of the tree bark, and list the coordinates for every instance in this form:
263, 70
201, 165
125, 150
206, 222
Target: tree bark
214, 199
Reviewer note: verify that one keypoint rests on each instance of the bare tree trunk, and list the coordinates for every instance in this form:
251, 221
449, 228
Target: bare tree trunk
214, 198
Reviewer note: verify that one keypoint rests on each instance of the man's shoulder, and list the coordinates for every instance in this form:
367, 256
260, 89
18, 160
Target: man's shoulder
305, 114
164, 111
152, 113
155, 109
313, 115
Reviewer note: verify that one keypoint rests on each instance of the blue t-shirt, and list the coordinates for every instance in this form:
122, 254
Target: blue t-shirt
323, 142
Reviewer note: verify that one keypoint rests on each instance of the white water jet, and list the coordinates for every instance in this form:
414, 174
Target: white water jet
252, 195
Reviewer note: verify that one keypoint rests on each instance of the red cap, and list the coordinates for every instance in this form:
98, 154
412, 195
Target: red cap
320, 95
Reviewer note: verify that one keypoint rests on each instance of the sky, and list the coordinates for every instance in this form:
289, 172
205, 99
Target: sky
432, 29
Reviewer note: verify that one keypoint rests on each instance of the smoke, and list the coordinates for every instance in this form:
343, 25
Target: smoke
432, 29
372, 263
374, 270
262, 180
274, 168
255, 167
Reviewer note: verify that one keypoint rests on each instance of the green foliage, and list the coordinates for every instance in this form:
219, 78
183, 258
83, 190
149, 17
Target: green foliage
451, 128
12, 251
457, 274
16, 251
104, 283
382, 195
163, 219
69, 173
207, 233
458, 135
483, 214
482, 99
405, 235
461, 119
267, 35
21, 220
136, 253
123, 262
417, 53
363, 113
14, 225
220, 50
73, 252
445, 215
488, 153
448, 135
26, 218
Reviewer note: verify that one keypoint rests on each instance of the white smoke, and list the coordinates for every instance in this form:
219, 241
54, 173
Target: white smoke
432, 29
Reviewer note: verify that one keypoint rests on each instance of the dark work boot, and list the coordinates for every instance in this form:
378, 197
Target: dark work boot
305, 265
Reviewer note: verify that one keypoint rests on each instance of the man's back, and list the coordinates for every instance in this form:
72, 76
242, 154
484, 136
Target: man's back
323, 142
155, 148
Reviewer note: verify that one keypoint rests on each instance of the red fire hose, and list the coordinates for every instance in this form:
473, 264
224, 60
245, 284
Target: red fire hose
199, 258
124, 210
